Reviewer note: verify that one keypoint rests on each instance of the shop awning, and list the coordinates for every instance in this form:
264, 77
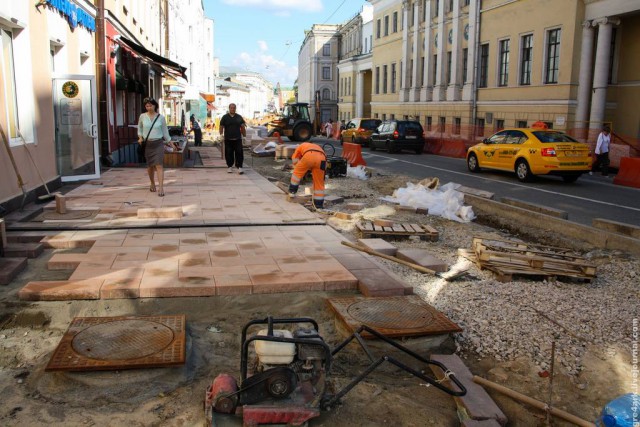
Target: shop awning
169, 66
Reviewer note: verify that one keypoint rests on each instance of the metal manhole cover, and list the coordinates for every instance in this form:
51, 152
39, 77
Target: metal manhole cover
401, 316
122, 339
389, 313
49, 215
127, 342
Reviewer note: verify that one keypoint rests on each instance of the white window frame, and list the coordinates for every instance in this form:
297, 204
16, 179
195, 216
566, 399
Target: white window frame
328, 67
544, 54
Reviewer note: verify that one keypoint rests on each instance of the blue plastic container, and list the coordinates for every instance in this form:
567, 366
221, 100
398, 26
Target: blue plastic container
621, 412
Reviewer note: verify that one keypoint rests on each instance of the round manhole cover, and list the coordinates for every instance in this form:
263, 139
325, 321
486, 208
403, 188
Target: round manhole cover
122, 339
68, 215
390, 314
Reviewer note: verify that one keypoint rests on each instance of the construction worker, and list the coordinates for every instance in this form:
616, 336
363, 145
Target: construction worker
309, 157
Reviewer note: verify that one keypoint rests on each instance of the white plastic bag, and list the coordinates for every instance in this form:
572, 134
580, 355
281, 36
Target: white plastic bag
357, 172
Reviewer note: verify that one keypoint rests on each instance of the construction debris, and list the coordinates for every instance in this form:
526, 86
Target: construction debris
509, 258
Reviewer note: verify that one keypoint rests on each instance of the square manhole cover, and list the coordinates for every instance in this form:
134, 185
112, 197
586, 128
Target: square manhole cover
126, 342
394, 317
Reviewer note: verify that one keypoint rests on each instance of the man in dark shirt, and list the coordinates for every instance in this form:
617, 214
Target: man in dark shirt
233, 127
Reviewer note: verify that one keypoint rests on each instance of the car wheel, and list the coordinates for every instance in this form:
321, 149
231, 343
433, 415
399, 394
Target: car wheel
419, 150
570, 178
372, 146
472, 163
522, 171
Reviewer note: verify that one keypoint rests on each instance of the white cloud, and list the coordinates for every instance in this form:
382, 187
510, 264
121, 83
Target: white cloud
263, 45
280, 6
270, 68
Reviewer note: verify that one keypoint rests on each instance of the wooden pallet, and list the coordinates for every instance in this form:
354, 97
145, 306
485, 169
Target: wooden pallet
508, 258
398, 230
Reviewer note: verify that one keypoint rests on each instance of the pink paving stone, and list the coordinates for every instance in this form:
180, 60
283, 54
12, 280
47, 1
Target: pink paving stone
338, 280
379, 245
224, 253
242, 261
71, 261
319, 258
145, 213
120, 288
196, 287
355, 261
229, 270
424, 258
289, 259
376, 283
286, 282
311, 266
263, 269
61, 290
195, 272
195, 261
233, 284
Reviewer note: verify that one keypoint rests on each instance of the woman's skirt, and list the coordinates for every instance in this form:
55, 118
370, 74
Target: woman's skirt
154, 152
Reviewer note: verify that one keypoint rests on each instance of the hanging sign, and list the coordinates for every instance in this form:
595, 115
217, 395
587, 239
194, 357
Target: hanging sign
74, 14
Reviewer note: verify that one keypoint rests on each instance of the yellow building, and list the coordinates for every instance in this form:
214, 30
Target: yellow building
465, 68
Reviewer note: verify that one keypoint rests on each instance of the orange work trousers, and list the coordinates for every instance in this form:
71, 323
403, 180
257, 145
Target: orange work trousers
311, 161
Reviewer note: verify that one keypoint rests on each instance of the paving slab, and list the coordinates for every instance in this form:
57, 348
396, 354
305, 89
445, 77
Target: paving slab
10, 268
379, 245
423, 258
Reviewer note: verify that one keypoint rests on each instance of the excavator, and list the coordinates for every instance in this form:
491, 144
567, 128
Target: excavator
294, 122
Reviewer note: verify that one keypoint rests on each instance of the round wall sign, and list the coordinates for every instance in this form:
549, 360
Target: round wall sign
70, 89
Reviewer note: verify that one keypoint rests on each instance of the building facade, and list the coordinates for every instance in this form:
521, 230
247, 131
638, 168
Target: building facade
47, 95
355, 66
466, 68
318, 72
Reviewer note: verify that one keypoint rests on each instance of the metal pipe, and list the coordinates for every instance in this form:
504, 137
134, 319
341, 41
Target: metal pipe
474, 90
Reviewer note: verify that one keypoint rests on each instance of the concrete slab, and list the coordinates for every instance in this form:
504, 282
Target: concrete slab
379, 245
10, 268
377, 283
535, 207
477, 403
28, 250
423, 258
617, 227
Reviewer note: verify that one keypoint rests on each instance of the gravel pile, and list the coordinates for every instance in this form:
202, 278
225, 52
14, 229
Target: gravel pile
520, 318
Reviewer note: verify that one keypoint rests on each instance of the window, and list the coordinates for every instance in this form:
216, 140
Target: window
442, 124
378, 29
349, 85
503, 66
499, 124
326, 73
484, 65
480, 127
393, 78
457, 122
366, 49
435, 68
386, 25
465, 64
448, 67
392, 117
8, 83
436, 12
384, 117
326, 49
526, 57
410, 74
521, 124
422, 64
467, 2
326, 94
429, 122
370, 43
377, 80
385, 77
515, 137
552, 56
395, 22
450, 6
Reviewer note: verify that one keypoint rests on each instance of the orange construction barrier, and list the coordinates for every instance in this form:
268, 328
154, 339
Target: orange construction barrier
336, 130
353, 154
629, 172
447, 147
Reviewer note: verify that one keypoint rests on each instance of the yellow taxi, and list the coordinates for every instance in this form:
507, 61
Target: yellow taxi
359, 130
530, 152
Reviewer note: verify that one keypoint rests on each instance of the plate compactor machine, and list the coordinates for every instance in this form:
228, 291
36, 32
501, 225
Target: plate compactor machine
291, 371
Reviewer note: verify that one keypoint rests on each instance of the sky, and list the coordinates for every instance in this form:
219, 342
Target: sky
265, 36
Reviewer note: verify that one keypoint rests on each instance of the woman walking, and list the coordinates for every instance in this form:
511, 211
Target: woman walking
152, 134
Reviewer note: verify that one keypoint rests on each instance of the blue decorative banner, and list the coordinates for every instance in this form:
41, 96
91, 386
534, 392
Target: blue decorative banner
75, 15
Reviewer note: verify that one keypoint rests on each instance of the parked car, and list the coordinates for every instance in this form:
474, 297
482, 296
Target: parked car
530, 152
359, 130
397, 135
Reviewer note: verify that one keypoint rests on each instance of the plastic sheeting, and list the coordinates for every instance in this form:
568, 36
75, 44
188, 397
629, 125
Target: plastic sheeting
357, 172
444, 201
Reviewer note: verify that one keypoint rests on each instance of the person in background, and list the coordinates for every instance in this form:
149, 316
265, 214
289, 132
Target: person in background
309, 157
602, 152
197, 131
233, 128
153, 134
328, 128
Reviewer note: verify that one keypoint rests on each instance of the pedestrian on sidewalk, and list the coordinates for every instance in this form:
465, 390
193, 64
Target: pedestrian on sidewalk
197, 131
328, 128
152, 135
309, 157
233, 128
602, 152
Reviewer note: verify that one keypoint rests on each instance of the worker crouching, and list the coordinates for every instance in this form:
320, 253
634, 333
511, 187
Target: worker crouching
309, 157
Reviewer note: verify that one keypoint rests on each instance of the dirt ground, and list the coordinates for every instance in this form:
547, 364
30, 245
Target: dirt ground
29, 332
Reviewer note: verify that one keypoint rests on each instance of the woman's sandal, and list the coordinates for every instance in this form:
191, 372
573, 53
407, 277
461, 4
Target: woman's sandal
152, 188
161, 193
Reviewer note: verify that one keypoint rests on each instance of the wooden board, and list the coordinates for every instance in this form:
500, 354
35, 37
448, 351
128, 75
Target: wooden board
425, 232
